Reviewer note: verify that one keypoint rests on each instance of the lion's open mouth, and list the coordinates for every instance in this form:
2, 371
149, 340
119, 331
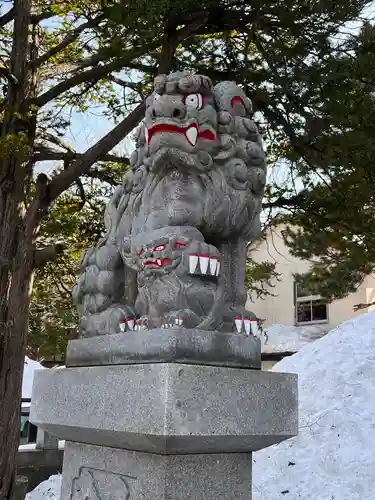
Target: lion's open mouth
191, 132
156, 263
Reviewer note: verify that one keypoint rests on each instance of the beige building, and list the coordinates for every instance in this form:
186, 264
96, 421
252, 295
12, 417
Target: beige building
309, 315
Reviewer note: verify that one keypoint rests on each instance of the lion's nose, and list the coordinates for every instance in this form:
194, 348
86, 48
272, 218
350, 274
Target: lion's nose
177, 113
168, 109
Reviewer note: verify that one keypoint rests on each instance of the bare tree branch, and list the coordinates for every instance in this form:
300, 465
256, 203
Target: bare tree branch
41, 16
143, 67
94, 173
97, 73
129, 55
136, 86
47, 254
64, 43
50, 155
7, 17
52, 70
174, 37
359, 307
93, 75
269, 108
81, 165
294, 201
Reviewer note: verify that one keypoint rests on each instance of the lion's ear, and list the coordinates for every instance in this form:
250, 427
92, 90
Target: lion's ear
230, 98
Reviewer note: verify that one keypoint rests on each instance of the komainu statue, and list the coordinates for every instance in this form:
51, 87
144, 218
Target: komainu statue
178, 226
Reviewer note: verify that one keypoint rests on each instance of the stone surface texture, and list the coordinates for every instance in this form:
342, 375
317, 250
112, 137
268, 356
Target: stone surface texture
178, 226
101, 473
161, 345
167, 408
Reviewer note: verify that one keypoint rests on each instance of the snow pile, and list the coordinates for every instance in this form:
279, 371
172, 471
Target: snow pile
28, 376
48, 489
333, 457
287, 338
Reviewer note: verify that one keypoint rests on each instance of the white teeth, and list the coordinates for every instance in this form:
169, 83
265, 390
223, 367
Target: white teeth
178, 321
213, 265
131, 324
247, 326
139, 326
255, 329
193, 262
192, 135
238, 323
203, 263
122, 327
158, 262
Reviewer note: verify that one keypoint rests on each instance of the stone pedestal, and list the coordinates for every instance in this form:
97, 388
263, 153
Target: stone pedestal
162, 430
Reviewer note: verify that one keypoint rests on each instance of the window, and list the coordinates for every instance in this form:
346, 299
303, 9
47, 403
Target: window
309, 308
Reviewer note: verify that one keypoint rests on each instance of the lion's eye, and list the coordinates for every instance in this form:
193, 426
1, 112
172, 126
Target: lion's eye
159, 248
195, 101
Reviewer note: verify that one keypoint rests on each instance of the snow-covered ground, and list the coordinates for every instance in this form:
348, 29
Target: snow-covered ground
287, 338
333, 456
47, 489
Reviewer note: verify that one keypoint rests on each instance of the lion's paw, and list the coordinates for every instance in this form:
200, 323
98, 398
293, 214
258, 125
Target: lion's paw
246, 323
180, 319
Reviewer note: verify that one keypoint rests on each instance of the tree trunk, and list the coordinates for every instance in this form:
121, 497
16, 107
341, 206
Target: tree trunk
16, 250
13, 332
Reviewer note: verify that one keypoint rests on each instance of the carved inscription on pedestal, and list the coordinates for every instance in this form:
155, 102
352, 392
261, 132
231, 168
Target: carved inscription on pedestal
97, 484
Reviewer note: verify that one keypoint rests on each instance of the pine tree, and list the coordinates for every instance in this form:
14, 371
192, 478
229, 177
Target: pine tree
335, 214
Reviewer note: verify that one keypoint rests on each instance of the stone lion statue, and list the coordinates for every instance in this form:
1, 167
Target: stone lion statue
177, 227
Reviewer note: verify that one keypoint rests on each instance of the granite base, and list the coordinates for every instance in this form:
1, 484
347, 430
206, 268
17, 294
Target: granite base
167, 408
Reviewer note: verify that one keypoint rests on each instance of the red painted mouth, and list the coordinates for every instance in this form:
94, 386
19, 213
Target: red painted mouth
157, 263
191, 132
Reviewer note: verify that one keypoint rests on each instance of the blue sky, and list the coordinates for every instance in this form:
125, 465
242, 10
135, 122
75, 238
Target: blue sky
87, 128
